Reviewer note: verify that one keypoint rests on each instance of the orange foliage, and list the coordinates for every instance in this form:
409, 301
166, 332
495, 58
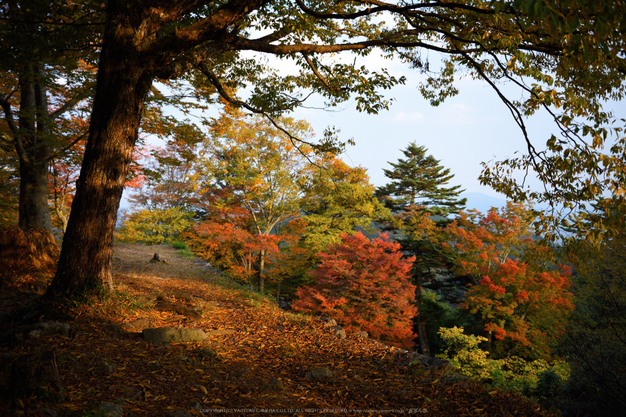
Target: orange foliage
365, 285
520, 292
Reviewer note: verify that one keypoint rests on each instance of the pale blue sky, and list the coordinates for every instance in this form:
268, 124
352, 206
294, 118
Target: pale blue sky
468, 129
464, 131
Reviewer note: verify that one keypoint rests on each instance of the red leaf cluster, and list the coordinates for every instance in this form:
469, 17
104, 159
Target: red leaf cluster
365, 285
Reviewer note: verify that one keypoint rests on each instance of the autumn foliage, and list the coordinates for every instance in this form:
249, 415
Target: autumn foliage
519, 292
365, 285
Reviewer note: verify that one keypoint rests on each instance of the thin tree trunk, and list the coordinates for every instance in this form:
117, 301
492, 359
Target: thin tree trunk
33, 129
33, 201
261, 271
59, 201
422, 337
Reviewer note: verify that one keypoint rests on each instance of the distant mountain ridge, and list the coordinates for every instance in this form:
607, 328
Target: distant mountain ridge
483, 202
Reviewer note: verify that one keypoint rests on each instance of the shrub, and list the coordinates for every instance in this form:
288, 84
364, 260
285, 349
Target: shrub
537, 378
365, 285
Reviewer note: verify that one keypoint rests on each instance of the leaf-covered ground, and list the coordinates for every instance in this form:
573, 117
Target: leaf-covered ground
260, 368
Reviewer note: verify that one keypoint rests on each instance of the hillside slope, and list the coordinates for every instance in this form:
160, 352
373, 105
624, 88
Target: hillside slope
257, 358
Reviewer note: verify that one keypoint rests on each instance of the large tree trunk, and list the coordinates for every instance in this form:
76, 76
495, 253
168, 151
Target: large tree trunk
133, 49
124, 80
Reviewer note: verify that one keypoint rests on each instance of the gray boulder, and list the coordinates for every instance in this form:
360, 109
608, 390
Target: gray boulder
170, 334
318, 373
339, 332
111, 410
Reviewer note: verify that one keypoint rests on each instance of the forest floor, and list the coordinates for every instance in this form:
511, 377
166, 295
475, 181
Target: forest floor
259, 363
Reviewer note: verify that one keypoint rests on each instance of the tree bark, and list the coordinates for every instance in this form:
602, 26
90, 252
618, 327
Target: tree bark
261, 271
422, 337
33, 151
124, 79
33, 201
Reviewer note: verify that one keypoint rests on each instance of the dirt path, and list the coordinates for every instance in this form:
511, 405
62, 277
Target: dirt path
134, 260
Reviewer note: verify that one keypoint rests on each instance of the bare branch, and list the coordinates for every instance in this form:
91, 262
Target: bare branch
319, 76
70, 104
67, 148
8, 116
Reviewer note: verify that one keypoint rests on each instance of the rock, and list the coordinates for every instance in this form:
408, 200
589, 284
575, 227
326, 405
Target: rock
46, 328
275, 385
46, 412
405, 358
220, 332
329, 321
169, 334
361, 335
318, 373
157, 258
194, 405
111, 410
138, 324
339, 332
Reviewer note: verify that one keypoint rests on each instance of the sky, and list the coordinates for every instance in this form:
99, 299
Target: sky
466, 130
470, 128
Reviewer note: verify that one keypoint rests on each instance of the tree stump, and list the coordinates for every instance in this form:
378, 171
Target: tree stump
32, 373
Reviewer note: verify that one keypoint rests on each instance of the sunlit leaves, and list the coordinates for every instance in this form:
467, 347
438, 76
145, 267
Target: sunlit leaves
520, 291
365, 285
155, 226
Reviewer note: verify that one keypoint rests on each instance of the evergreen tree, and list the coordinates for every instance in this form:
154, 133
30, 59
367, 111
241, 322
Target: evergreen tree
420, 181
417, 192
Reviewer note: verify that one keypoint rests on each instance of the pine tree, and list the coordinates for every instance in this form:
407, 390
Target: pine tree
420, 181
417, 193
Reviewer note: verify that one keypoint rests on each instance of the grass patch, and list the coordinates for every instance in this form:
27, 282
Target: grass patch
180, 246
186, 254
182, 249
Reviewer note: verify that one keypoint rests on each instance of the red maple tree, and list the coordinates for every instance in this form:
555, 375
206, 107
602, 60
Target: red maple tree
365, 285
520, 290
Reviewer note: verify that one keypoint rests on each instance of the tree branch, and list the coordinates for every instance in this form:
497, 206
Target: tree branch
218, 86
319, 76
8, 116
70, 104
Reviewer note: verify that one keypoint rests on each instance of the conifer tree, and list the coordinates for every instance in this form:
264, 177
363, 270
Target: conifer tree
418, 191
420, 181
